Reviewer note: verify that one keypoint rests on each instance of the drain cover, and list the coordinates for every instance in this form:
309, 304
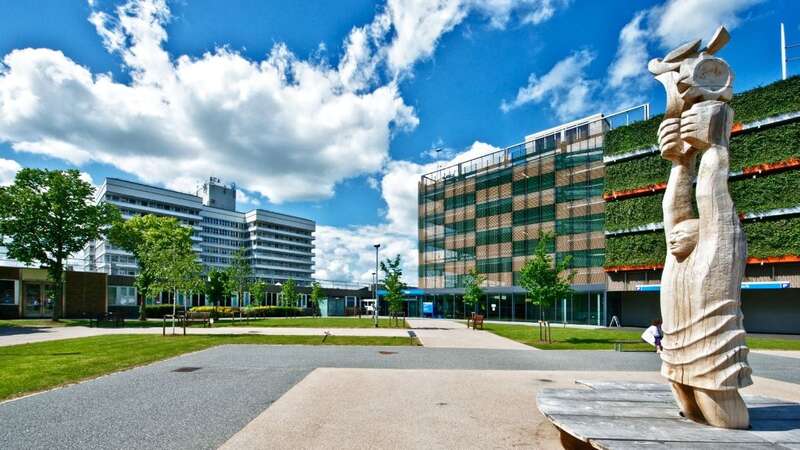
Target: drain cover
187, 369
384, 352
545, 380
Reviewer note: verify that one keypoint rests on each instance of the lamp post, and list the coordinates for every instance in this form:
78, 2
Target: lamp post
375, 310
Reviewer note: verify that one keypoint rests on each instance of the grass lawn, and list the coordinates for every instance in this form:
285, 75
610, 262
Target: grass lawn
34, 367
295, 322
601, 339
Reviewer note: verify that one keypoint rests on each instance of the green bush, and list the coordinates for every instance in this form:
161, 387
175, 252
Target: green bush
777, 98
769, 145
767, 238
158, 311
636, 249
272, 311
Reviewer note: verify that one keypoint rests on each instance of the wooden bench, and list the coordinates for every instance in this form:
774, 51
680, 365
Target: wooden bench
477, 319
197, 317
619, 343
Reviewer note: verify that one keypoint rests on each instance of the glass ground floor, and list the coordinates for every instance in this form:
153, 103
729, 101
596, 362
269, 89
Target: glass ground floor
586, 308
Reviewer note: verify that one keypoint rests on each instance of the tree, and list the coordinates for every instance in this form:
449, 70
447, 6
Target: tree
289, 294
316, 296
472, 288
393, 283
216, 285
174, 262
143, 236
240, 273
258, 292
542, 278
47, 215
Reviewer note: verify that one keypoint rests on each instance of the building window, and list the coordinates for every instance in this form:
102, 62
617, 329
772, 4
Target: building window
8, 292
121, 296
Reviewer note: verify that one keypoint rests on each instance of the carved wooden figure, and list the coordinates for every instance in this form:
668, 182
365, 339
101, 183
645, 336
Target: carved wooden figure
704, 356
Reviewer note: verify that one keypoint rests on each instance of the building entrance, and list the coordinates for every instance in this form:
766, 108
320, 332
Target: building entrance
38, 300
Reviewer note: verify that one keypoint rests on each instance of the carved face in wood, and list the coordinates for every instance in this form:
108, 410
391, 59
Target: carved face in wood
683, 238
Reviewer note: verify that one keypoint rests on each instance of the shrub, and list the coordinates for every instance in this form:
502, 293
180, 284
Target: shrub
633, 212
272, 311
651, 169
633, 136
159, 311
781, 190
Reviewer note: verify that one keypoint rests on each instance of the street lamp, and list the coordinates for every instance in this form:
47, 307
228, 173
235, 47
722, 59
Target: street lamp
375, 312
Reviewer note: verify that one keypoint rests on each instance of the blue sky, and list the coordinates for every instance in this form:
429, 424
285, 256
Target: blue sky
327, 112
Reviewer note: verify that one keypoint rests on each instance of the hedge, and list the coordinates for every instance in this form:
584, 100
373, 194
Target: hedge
774, 99
769, 145
764, 193
765, 238
254, 311
158, 311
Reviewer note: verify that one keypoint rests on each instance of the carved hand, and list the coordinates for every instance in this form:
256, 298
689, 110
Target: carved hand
669, 139
706, 124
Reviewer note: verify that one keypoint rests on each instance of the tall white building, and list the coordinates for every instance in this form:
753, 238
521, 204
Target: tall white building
279, 246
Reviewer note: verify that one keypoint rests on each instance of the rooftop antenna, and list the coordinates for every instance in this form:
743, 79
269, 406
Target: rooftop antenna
784, 48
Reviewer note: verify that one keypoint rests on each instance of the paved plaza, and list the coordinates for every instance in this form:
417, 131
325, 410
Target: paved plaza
258, 396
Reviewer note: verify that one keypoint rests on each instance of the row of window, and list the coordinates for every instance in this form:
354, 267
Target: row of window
152, 204
495, 236
534, 184
567, 160
579, 191
459, 201
493, 179
224, 223
273, 226
544, 213
494, 265
582, 224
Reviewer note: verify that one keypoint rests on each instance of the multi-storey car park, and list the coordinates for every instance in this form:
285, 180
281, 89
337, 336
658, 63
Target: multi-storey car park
598, 189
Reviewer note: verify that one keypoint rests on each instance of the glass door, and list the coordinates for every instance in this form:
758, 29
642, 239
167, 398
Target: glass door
38, 300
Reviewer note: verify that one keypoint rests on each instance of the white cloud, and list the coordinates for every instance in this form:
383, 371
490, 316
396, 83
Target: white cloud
8, 170
631, 58
85, 176
565, 87
679, 21
346, 253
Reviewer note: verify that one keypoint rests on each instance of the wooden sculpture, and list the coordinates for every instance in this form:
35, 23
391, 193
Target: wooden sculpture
704, 355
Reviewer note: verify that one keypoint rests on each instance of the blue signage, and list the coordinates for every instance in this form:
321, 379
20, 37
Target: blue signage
427, 308
747, 285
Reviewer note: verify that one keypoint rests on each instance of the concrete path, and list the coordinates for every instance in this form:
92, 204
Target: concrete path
15, 336
445, 397
444, 333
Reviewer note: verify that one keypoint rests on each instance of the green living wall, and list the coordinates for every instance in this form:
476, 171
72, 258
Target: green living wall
768, 145
771, 100
765, 238
751, 195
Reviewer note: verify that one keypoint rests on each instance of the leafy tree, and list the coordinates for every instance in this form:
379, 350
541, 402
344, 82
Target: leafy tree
240, 273
143, 236
393, 283
289, 294
472, 288
173, 260
543, 278
316, 296
258, 293
47, 215
215, 286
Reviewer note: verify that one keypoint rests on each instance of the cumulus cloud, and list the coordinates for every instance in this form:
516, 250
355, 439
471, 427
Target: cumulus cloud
679, 21
8, 170
565, 87
568, 91
346, 253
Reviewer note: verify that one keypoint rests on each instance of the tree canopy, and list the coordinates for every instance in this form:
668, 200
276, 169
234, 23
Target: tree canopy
48, 215
240, 274
258, 293
472, 287
289, 293
543, 278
